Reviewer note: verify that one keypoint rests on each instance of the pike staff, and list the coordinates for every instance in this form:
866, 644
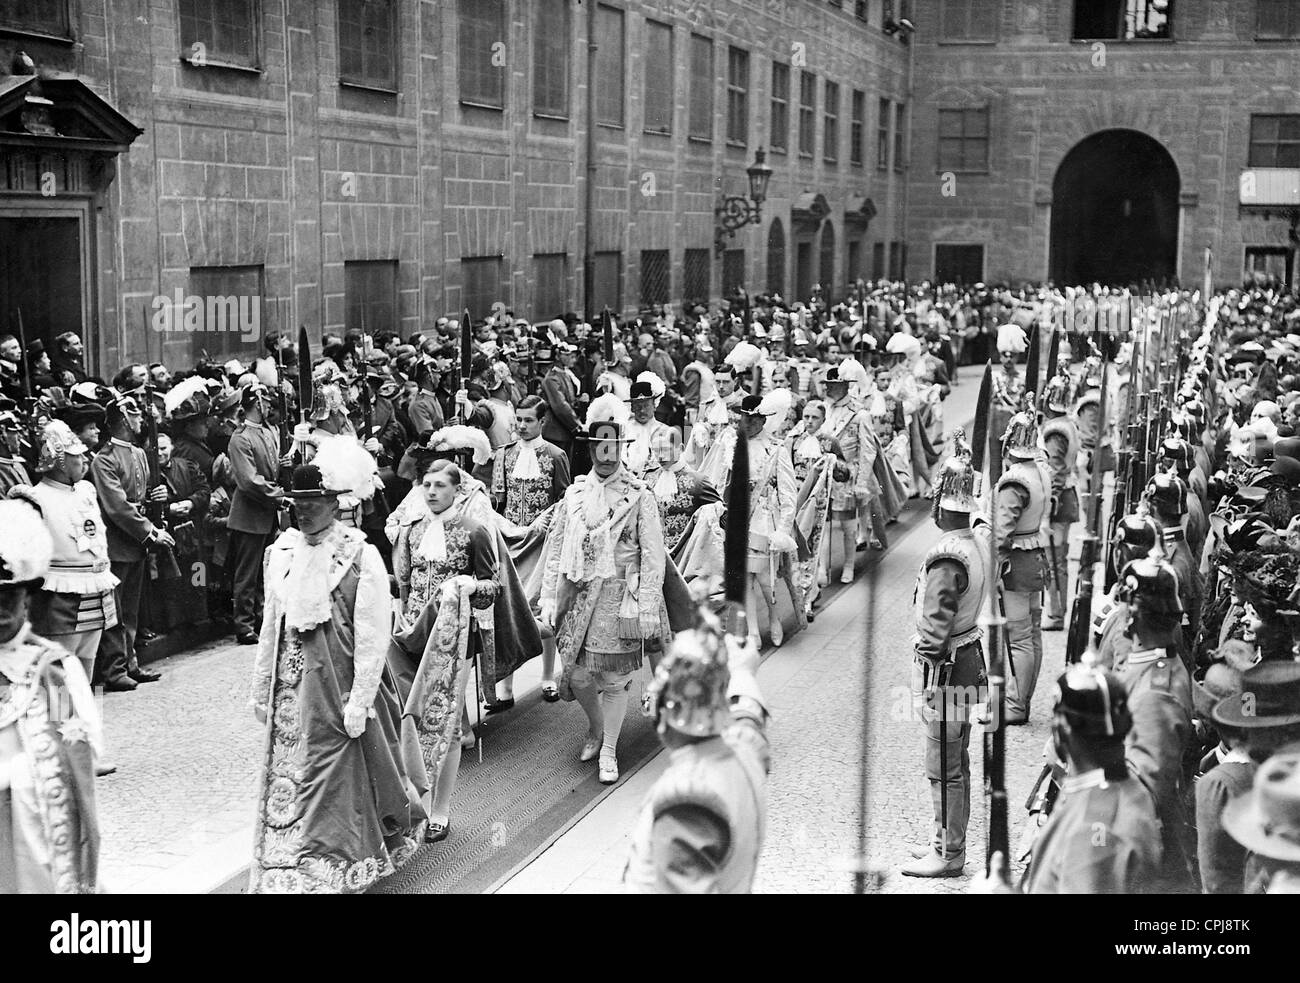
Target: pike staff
993, 621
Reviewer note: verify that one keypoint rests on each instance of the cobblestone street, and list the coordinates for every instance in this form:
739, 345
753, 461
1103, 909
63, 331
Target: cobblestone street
178, 814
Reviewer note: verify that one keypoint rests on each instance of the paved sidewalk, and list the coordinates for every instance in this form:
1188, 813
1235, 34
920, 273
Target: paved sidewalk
177, 817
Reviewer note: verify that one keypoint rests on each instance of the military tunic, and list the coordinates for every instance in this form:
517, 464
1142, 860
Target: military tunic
1102, 838
948, 678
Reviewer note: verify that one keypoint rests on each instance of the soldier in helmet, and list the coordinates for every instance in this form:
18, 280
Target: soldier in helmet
948, 672
1008, 385
1167, 497
1020, 508
1160, 702
1102, 837
1176, 454
1060, 440
701, 828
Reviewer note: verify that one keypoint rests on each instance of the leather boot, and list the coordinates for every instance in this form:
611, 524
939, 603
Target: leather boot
1024, 668
933, 865
1055, 619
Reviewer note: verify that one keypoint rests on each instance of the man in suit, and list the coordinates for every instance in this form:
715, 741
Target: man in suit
255, 459
120, 472
560, 389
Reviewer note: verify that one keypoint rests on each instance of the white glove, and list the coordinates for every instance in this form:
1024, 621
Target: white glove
781, 542
372, 445
354, 719
546, 614
302, 433
259, 711
742, 655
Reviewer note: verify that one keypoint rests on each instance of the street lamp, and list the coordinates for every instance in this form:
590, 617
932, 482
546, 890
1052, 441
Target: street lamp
736, 211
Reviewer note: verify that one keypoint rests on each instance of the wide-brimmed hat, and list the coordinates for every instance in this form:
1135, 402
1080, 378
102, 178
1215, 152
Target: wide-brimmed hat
751, 406
307, 482
1267, 820
1270, 697
78, 415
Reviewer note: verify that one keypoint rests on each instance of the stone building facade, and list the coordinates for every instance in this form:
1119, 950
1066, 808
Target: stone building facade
1046, 143
338, 162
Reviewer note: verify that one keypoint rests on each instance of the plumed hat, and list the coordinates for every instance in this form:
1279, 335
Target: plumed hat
1012, 338
25, 544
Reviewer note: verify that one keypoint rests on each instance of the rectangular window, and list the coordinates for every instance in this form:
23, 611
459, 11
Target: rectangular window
38, 16
551, 58
610, 69
959, 264
654, 277
701, 123
964, 140
1274, 140
228, 294
733, 271
659, 76
882, 135
857, 126
779, 139
831, 123
368, 43
482, 279
853, 273
968, 20
877, 261
1272, 261
900, 136
737, 96
227, 30
807, 114
860, 9
551, 290
370, 295
482, 29
1122, 20
1277, 19
895, 261
607, 282
695, 289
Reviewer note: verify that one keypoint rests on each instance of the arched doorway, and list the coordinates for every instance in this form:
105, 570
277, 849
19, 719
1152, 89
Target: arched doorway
776, 258
826, 271
1115, 211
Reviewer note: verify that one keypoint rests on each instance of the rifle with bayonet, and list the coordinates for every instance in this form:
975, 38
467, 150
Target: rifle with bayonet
1046, 790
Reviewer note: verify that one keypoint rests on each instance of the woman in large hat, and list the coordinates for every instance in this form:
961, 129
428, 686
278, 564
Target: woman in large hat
321, 686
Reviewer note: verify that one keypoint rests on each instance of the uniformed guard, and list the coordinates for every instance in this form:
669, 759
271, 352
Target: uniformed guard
1167, 496
1008, 386
1020, 510
1160, 703
1090, 721
120, 472
1060, 440
701, 827
948, 678
1176, 453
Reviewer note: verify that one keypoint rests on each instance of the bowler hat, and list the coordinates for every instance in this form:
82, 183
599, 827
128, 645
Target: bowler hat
1267, 820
